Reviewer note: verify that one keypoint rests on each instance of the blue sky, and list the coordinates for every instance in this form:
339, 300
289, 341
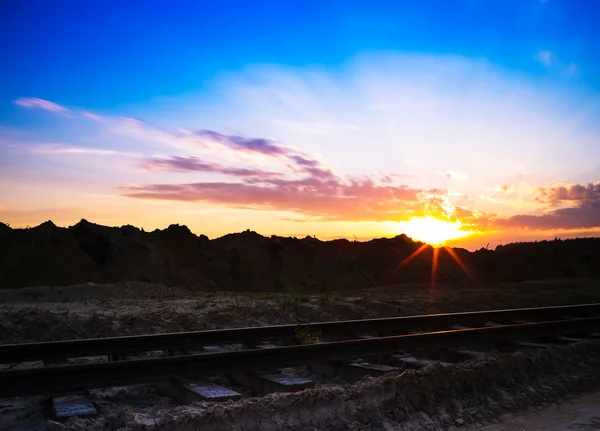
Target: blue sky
488, 104
104, 54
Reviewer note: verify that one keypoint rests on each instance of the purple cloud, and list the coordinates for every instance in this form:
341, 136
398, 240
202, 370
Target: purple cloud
196, 164
300, 163
319, 192
303, 161
252, 145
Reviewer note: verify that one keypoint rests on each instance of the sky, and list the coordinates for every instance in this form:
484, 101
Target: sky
355, 119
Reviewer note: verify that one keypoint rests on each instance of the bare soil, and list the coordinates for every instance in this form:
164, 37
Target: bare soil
581, 413
130, 308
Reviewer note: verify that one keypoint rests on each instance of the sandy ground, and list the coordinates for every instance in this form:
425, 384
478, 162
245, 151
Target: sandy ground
581, 413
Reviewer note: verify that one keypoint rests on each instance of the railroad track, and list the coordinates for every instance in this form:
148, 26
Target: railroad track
378, 342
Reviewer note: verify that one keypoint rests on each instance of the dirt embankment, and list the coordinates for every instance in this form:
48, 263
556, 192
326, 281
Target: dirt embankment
247, 261
433, 399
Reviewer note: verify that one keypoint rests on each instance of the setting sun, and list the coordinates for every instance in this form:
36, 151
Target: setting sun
432, 230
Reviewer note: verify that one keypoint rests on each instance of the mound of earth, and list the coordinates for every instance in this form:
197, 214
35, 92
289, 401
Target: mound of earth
246, 261
431, 399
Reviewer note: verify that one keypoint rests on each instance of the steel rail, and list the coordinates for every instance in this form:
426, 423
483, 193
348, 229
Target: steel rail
189, 341
78, 377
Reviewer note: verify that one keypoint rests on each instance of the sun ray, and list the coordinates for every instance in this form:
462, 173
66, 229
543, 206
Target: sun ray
409, 258
434, 266
462, 265
406, 261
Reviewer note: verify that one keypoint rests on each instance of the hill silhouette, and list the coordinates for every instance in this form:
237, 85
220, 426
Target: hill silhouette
246, 261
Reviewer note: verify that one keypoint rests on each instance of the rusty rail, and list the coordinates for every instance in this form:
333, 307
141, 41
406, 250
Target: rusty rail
340, 330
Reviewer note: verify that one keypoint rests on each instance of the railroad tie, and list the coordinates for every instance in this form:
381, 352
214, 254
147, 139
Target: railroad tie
66, 406
267, 382
359, 370
189, 391
530, 344
409, 361
569, 339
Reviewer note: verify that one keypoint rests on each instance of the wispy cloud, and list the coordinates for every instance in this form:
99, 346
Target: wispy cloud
551, 62
34, 102
56, 148
133, 121
92, 116
545, 57
453, 175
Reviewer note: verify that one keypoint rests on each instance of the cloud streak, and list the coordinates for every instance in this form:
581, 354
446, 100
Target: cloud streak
551, 62
453, 175
36, 103
196, 164
63, 149
356, 201
267, 147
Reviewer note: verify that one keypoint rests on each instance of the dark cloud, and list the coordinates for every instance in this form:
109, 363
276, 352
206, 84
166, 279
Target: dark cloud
580, 217
571, 193
582, 211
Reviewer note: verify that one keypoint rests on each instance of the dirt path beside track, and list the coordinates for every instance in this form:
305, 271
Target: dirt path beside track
579, 414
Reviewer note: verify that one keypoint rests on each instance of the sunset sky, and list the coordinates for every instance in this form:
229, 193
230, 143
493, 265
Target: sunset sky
327, 118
